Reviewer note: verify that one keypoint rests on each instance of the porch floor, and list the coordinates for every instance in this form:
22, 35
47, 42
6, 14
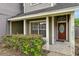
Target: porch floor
60, 49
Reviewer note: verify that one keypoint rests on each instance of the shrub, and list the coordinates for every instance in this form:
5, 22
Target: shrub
29, 45
11, 41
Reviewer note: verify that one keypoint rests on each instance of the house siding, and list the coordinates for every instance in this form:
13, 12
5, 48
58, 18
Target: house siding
2, 25
10, 9
28, 7
50, 30
7, 10
76, 31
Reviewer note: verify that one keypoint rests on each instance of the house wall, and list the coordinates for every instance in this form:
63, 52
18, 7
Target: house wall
28, 7
27, 27
50, 30
7, 10
10, 9
3, 25
76, 31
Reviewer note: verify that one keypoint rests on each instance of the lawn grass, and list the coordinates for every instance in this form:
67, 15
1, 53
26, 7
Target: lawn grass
77, 22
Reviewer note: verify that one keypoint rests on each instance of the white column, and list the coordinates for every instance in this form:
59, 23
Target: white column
72, 30
24, 26
47, 33
52, 29
72, 33
67, 35
10, 28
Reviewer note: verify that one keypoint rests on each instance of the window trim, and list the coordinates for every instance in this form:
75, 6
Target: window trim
34, 22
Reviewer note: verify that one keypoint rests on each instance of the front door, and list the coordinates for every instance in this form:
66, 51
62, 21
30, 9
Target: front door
61, 31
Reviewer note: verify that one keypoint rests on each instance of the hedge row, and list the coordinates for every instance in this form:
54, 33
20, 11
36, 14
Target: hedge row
30, 45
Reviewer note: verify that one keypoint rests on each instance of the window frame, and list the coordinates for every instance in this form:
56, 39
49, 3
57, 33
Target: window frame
37, 21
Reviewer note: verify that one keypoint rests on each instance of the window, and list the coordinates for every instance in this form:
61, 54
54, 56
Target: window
38, 28
42, 29
61, 18
34, 28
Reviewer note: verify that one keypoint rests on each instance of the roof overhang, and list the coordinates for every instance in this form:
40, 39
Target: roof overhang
53, 12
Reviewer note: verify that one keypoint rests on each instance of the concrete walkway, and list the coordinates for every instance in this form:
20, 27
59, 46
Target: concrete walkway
61, 49
52, 53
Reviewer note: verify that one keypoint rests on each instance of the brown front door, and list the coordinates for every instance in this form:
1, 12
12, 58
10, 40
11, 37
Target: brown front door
61, 31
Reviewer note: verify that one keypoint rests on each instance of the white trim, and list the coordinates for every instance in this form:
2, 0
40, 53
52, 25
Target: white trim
61, 21
47, 33
45, 13
66, 28
10, 28
24, 26
53, 39
38, 29
72, 33
72, 30
37, 20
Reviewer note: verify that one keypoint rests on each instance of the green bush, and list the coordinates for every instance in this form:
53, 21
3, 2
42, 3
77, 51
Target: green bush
77, 22
28, 45
11, 41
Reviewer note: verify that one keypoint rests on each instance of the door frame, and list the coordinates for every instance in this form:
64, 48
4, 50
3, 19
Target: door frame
66, 28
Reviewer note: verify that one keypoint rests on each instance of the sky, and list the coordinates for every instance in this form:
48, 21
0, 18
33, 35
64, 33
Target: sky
77, 13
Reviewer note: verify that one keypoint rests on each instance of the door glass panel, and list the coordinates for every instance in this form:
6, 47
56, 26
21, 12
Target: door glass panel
61, 28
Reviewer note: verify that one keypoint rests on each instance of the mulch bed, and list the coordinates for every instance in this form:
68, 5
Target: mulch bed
77, 51
45, 52
4, 51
